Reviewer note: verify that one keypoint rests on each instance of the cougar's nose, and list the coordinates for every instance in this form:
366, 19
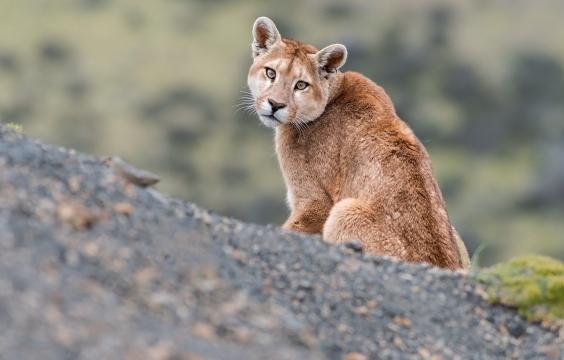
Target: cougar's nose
275, 105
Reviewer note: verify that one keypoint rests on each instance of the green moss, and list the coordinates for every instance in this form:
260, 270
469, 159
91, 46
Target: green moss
14, 126
533, 284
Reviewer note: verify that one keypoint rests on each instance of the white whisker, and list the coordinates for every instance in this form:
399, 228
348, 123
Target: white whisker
301, 124
246, 103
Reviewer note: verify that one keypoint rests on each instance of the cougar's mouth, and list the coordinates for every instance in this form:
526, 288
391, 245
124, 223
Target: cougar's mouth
272, 117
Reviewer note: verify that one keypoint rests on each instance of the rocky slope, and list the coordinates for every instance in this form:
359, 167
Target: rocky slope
93, 266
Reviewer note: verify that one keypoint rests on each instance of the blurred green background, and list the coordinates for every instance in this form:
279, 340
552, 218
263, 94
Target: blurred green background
157, 82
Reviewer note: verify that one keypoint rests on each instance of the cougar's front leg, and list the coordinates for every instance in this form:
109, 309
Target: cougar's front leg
308, 216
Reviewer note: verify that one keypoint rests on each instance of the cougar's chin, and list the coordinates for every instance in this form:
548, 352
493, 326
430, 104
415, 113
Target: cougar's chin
270, 121
275, 119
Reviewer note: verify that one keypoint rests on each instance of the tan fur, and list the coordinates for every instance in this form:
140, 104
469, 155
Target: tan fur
353, 169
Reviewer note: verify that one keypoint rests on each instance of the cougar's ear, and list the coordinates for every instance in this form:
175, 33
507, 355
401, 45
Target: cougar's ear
265, 36
331, 58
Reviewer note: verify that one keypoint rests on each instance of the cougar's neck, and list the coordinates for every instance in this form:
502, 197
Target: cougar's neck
335, 87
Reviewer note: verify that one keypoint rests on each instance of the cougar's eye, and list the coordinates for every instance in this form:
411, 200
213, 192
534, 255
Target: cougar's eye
271, 74
301, 85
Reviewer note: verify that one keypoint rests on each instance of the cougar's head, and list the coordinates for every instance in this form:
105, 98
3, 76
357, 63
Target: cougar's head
290, 81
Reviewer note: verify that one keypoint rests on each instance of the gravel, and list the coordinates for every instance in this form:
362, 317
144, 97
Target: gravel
93, 266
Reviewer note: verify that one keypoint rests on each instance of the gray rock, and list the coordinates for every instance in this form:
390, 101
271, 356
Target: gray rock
92, 267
